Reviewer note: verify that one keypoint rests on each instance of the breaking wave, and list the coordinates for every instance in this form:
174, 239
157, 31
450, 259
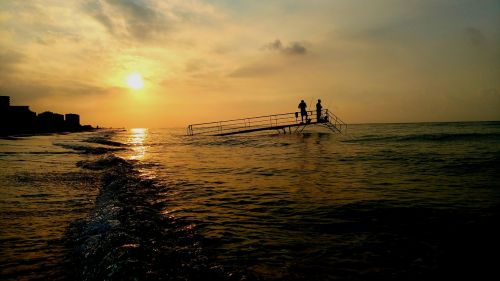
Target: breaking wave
104, 141
85, 149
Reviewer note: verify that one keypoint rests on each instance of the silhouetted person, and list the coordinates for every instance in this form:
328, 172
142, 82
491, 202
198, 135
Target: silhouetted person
318, 111
303, 112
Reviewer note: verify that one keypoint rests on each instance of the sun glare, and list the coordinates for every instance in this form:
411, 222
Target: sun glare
134, 81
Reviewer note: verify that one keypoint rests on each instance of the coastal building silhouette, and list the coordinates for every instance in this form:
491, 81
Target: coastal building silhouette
50, 121
4, 107
20, 119
72, 120
17, 119
4, 102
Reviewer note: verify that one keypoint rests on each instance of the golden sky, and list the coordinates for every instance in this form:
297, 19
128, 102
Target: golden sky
192, 61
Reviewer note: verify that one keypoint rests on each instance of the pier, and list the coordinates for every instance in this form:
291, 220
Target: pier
282, 123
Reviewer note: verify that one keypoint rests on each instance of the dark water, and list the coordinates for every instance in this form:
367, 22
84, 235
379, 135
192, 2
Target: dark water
41, 192
385, 202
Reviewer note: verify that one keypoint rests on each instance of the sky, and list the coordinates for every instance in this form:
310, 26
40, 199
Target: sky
369, 61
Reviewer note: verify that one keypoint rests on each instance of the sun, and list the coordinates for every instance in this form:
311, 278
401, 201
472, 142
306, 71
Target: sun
134, 81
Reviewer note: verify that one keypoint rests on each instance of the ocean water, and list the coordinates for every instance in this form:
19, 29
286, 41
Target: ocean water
41, 192
383, 202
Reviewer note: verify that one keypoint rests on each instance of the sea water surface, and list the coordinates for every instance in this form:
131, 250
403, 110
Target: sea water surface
384, 202
41, 192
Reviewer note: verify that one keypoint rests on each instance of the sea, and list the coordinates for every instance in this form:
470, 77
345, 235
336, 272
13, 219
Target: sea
414, 201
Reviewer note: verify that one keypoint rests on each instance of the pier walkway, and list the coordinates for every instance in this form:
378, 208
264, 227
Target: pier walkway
283, 123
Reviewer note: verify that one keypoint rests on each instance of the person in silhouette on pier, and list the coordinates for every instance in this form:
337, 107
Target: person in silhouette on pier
303, 112
318, 111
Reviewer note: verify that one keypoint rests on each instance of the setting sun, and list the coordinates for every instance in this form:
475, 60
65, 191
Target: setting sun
134, 81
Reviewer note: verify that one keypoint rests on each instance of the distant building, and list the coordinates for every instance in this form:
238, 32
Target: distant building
17, 119
4, 107
72, 121
20, 119
50, 121
4, 102
22, 116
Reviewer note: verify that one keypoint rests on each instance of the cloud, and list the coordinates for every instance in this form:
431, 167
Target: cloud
276, 45
51, 37
9, 59
293, 48
491, 93
95, 10
25, 90
407, 52
150, 20
474, 36
254, 70
139, 19
22, 91
135, 9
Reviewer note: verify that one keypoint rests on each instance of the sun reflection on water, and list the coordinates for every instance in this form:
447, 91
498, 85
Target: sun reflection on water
136, 140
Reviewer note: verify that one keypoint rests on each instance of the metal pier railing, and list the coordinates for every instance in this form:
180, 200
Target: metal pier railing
333, 122
283, 121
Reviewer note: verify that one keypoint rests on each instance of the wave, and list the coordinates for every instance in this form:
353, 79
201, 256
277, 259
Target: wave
428, 137
85, 149
104, 141
102, 163
127, 236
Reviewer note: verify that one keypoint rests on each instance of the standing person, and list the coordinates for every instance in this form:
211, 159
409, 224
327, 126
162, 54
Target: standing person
303, 112
318, 111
